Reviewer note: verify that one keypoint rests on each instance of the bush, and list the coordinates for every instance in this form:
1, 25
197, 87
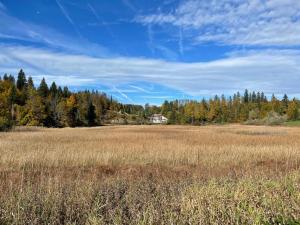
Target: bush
253, 115
5, 124
272, 118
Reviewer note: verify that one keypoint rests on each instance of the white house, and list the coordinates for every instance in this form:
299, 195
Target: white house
158, 119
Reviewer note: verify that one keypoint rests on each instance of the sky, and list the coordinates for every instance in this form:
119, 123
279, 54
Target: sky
148, 51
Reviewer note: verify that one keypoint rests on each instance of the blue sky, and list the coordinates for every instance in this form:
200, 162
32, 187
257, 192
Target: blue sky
146, 51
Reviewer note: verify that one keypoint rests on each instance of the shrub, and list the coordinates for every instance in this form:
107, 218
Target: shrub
5, 124
272, 118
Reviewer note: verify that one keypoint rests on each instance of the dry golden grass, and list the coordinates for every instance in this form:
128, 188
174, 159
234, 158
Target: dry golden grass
204, 150
137, 170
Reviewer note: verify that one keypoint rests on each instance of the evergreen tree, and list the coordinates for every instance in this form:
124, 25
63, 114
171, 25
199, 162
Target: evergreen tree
285, 103
254, 97
66, 93
263, 97
21, 81
43, 89
30, 83
11, 79
5, 77
53, 89
91, 115
246, 96
59, 92
258, 98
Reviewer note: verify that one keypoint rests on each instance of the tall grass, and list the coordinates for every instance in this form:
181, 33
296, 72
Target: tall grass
150, 175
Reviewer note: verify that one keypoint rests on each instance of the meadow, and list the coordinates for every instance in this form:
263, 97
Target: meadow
230, 174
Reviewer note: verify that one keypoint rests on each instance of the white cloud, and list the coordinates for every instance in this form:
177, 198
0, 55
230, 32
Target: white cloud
13, 28
270, 71
237, 22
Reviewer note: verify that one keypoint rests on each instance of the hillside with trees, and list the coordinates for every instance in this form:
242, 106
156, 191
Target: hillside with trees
24, 104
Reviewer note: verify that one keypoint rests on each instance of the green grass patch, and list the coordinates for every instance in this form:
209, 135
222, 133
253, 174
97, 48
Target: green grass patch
295, 123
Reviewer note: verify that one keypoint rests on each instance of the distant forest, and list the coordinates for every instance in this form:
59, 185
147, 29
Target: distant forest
24, 104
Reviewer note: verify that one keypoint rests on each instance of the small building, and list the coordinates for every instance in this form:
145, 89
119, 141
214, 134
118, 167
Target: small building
158, 119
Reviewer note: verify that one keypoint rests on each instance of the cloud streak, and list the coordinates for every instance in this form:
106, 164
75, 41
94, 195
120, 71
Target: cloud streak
107, 27
122, 94
140, 89
235, 22
14, 29
271, 71
67, 16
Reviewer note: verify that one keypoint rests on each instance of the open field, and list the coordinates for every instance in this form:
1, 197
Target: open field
230, 174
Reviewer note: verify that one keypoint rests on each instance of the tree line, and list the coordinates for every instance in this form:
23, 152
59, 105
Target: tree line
24, 104
251, 107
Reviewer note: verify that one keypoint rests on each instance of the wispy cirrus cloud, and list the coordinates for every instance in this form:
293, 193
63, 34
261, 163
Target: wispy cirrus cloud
140, 89
235, 22
68, 17
14, 29
122, 94
255, 70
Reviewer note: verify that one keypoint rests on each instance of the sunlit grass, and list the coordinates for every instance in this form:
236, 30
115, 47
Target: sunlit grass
228, 174
295, 123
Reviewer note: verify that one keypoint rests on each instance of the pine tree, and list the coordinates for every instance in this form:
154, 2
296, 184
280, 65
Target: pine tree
11, 79
53, 89
91, 115
285, 103
66, 93
21, 81
246, 96
5, 77
254, 100
258, 97
59, 92
30, 83
43, 89
263, 97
